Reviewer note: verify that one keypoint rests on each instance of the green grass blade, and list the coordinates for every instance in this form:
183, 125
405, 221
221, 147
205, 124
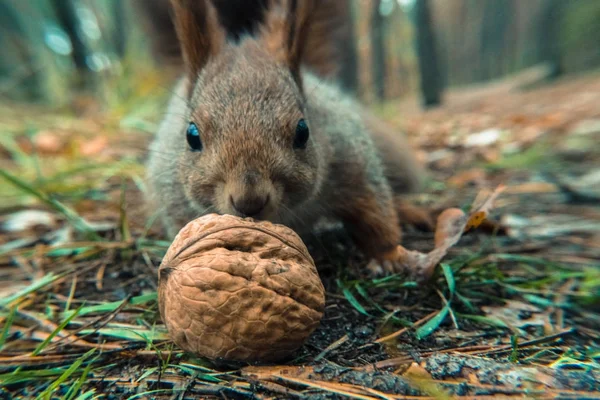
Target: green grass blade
59, 328
35, 286
466, 302
449, 278
514, 353
123, 220
352, 300
76, 387
483, 320
7, 324
112, 306
47, 394
433, 323
157, 391
88, 395
140, 334
78, 222
146, 374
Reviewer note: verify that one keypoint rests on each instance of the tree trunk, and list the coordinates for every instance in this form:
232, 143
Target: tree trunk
121, 25
378, 59
427, 55
348, 55
65, 12
549, 35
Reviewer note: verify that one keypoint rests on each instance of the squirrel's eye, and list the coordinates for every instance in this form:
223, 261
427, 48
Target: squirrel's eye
302, 134
193, 137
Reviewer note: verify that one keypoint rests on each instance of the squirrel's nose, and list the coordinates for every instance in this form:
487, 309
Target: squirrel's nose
249, 206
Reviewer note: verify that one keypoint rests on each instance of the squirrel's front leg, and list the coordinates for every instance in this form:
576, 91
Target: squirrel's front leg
371, 220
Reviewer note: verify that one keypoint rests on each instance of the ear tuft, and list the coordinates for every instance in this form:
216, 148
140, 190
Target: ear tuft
199, 32
285, 31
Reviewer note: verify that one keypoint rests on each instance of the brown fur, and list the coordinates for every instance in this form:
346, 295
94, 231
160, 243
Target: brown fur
198, 31
246, 100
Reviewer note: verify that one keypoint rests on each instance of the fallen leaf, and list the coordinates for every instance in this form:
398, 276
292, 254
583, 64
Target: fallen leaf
482, 139
547, 226
451, 224
47, 142
481, 207
532, 187
94, 146
28, 219
585, 187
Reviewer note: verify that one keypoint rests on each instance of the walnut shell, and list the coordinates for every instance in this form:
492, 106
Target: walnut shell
239, 289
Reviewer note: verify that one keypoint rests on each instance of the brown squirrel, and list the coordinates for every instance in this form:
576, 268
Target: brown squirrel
250, 132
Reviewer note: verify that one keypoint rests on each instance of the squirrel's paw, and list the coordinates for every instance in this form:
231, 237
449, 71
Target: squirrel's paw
381, 267
400, 261
387, 264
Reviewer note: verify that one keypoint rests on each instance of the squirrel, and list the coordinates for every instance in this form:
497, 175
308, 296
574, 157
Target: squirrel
250, 132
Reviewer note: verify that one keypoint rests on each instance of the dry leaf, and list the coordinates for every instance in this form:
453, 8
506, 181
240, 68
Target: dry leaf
451, 224
484, 138
482, 207
28, 219
585, 187
548, 226
47, 142
94, 146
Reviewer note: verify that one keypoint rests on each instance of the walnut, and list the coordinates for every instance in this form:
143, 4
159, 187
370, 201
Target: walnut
238, 289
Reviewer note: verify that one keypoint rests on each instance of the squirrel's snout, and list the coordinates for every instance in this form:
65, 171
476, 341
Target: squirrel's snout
249, 205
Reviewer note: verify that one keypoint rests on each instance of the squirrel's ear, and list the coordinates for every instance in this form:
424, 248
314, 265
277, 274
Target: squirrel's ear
285, 31
199, 32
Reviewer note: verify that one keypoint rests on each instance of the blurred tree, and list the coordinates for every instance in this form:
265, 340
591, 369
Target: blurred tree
161, 31
549, 34
16, 58
378, 53
496, 21
431, 81
67, 17
580, 27
121, 32
348, 53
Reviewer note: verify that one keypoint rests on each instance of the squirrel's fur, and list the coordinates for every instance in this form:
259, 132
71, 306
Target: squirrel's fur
246, 99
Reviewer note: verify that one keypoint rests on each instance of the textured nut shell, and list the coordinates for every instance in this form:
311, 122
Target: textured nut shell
238, 289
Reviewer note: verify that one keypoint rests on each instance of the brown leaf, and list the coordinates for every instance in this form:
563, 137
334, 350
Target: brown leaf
481, 207
47, 142
451, 224
94, 146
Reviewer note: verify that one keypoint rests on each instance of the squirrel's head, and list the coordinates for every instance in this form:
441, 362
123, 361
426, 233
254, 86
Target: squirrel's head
249, 148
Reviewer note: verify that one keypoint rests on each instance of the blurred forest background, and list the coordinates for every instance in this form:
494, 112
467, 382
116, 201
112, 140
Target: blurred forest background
52, 50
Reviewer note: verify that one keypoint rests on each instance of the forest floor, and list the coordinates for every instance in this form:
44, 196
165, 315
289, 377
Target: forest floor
513, 311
